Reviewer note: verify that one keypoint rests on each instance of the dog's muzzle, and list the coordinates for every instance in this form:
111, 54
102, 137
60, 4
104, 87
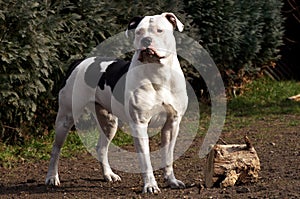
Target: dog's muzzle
149, 55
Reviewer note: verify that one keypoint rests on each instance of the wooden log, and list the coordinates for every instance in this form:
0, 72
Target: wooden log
227, 165
295, 98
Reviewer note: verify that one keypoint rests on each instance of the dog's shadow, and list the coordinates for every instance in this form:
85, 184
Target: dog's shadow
34, 187
76, 185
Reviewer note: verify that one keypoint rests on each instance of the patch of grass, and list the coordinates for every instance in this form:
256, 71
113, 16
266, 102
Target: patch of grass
72, 146
121, 138
38, 149
294, 123
237, 122
265, 97
8, 155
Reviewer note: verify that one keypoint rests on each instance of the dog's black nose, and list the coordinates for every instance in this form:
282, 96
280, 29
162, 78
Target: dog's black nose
146, 41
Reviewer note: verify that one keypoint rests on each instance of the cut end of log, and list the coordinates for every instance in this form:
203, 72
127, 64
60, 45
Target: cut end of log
228, 165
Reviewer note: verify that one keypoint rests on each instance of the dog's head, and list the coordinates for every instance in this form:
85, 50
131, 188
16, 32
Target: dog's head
153, 36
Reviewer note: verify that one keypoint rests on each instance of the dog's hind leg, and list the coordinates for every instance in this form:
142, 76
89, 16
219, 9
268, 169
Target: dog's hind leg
108, 128
64, 121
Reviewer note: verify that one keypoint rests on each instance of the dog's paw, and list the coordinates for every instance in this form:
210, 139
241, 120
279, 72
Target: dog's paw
112, 177
52, 180
176, 184
151, 188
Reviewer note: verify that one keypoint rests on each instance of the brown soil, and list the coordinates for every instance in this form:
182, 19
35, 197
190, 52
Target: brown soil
276, 139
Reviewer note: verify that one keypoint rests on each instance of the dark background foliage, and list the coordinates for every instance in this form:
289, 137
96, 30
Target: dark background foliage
39, 39
291, 48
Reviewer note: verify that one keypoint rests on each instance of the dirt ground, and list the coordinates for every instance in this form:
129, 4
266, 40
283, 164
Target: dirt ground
276, 139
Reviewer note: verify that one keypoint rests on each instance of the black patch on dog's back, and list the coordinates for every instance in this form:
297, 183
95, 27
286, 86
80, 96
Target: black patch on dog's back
112, 76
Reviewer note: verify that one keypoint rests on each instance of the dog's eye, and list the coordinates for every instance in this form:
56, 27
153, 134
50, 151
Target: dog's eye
159, 30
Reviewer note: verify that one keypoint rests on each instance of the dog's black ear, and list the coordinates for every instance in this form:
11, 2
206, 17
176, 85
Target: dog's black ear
134, 22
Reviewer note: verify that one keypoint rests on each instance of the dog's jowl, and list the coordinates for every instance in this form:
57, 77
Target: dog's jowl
140, 92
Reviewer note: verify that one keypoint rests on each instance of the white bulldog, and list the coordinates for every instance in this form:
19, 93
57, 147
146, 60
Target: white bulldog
142, 92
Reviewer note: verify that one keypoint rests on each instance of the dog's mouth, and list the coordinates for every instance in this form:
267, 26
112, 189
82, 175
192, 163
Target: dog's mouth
149, 55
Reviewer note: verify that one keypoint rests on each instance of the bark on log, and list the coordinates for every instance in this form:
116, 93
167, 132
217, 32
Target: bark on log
228, 165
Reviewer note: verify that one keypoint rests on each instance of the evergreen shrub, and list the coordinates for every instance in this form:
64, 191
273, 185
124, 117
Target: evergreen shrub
241, 36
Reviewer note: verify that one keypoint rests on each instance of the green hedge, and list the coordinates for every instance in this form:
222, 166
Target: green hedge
241, 36
39, 39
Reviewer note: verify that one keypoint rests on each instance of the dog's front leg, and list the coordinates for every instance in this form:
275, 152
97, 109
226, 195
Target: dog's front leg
141, 143
168, 140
